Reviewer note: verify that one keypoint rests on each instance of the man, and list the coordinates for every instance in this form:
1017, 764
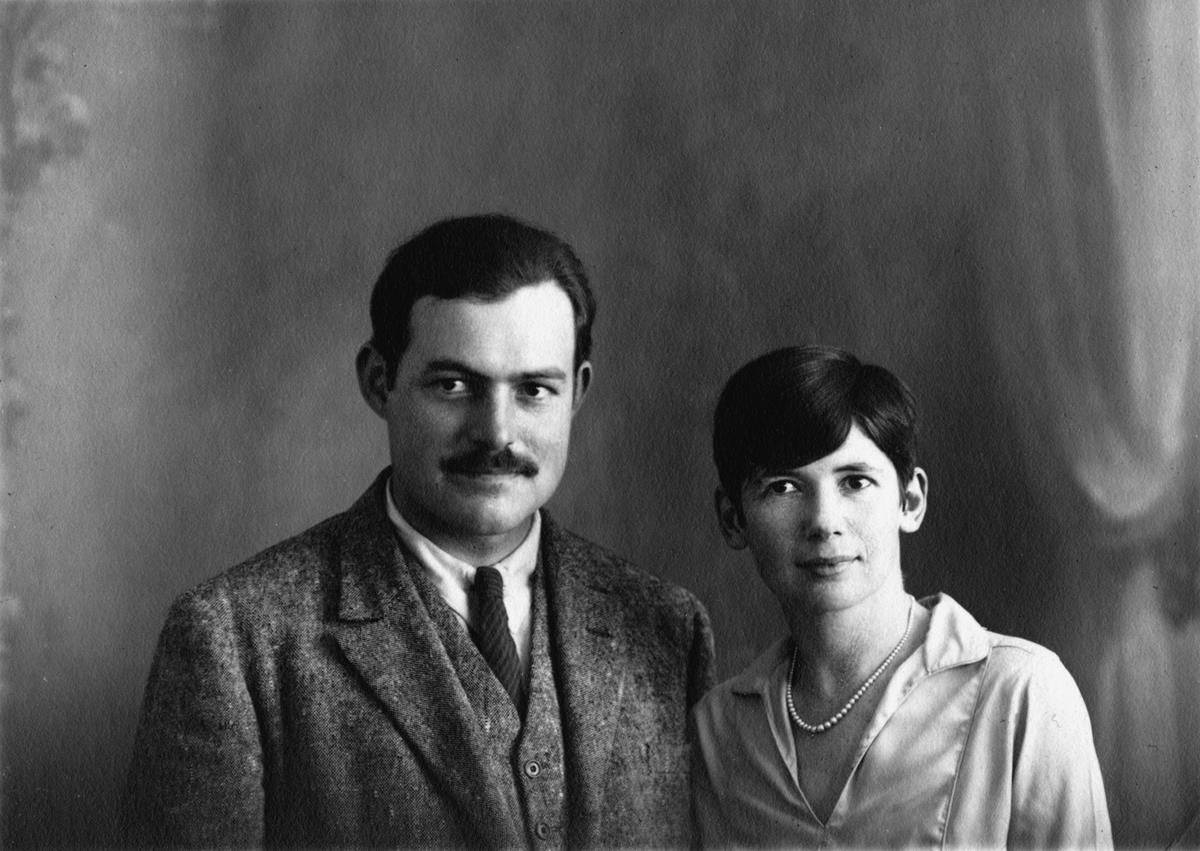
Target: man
442, 664
880, 720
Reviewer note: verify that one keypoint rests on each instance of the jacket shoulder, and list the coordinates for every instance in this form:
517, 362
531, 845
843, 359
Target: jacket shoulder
307, 556
291, 580
291, 558
614, 573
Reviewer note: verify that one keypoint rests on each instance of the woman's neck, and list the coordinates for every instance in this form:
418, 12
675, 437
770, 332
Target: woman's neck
837, 650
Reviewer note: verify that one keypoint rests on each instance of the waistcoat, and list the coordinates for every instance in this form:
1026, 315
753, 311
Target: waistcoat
539, 765
526, 758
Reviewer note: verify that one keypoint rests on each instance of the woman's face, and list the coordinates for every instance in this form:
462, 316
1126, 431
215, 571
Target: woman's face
826, 536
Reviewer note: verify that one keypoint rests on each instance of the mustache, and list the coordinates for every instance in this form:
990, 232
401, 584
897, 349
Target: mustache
479, 462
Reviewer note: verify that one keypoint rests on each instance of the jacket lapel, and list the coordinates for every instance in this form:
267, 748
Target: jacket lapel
385, 631
589, 649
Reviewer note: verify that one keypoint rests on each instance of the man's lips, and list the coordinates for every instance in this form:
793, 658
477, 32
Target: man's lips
825, 562
481, 472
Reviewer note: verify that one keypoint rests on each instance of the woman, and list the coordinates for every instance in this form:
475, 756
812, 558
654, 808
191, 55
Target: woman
880, 720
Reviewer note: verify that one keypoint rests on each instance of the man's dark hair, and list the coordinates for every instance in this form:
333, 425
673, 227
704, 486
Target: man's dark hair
795, 405
485, 258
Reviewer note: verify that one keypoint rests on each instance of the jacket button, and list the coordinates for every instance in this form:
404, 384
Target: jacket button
542, 830
532, 768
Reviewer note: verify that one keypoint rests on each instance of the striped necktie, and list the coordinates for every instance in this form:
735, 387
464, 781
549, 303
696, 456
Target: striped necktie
492, 635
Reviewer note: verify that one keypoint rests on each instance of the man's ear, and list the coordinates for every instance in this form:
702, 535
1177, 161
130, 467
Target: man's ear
583, 380
731, 521
914, 501
372, 378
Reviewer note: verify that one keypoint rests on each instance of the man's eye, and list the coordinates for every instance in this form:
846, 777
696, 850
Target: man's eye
450, 386
536, 391
781, 486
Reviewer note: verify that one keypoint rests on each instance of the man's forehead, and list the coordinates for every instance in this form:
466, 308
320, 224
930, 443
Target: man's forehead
546, 296
531, 329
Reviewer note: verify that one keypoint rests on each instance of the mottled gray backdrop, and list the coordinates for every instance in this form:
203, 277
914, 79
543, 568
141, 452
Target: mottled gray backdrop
191, 295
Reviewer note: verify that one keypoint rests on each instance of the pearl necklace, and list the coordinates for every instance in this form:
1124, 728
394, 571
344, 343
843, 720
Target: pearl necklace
813, 729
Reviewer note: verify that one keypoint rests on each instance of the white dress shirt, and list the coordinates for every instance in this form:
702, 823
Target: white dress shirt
453, 577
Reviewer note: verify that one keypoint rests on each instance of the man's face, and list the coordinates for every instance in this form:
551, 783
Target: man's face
826, 536
479, 416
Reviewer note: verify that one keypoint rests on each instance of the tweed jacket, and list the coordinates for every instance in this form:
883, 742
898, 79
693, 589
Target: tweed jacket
304, 698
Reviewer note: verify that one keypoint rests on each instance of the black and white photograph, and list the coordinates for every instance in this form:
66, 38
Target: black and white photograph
637, 424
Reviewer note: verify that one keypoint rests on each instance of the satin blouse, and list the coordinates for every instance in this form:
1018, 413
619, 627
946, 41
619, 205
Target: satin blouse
980, 740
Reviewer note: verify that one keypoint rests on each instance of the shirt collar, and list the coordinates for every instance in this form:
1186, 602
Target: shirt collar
954, 638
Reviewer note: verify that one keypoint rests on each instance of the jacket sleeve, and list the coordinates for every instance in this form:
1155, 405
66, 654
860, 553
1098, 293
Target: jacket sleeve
196, 777
701, 677
1058, 794
702, 674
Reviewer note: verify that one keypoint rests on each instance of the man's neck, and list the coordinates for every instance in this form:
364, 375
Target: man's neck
476, 550
480, 549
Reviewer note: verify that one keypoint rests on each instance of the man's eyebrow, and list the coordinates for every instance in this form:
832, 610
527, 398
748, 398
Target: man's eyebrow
451, 365
548, 374
448, 365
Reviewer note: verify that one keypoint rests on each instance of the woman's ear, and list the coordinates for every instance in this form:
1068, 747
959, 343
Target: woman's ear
915, 500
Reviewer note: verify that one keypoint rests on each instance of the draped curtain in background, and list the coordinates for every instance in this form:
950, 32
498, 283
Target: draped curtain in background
1091, 255
999, 200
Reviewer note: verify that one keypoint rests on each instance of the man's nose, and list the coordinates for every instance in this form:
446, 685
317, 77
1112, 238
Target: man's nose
492, 419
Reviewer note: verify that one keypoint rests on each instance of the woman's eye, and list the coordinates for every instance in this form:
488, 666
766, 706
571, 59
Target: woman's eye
856, 483
781, 487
